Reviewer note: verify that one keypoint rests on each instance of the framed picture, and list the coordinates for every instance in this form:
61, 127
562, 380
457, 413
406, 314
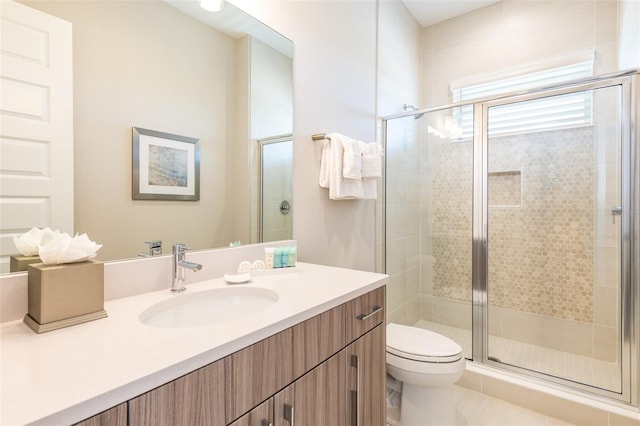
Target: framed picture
165, 166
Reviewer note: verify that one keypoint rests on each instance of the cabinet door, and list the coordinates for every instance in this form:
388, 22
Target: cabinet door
116, 416
318, 338
367, 379
257, 372
262, 415
194, 399
318, 398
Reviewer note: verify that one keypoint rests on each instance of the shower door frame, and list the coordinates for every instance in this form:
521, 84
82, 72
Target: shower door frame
629, 234
630, 244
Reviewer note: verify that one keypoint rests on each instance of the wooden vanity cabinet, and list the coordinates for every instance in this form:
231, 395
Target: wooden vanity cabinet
262, 415
346, 389
194, 399
328, 370
317, 398
255, 373
367, 379
346, 386
116, 416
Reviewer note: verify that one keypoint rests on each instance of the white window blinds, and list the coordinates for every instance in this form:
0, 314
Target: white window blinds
548, 113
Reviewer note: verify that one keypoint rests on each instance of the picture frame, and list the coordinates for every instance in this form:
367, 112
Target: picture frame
165, 166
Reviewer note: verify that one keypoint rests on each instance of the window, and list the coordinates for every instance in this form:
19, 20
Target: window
548, 113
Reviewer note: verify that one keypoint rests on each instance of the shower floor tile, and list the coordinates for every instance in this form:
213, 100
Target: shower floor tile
577, 368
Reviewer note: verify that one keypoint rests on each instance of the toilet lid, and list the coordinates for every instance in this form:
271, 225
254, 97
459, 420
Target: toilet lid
421, 345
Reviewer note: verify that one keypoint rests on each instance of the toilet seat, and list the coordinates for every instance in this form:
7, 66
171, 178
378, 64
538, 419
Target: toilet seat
419, 344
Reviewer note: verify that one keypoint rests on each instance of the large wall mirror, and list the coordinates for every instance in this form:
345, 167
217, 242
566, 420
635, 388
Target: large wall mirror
223, 78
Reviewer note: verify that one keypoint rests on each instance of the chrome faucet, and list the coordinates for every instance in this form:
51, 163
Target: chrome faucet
179, 265
155, 249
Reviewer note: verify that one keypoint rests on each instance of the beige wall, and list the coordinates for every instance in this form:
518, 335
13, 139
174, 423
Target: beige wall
158, 69
629, 30
399, 64
271, 115
334, 91
512, 33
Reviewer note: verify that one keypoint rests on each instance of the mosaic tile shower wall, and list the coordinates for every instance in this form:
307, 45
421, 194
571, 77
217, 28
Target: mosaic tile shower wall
540, 222
452, 183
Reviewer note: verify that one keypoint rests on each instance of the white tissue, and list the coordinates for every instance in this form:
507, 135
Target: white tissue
28, 243
55, 247
62, 248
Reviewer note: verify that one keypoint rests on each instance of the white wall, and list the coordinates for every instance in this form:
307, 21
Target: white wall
334, 91
628, 18
510, 34
399, 70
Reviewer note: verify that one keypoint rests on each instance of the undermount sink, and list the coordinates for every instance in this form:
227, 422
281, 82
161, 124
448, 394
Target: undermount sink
208, 307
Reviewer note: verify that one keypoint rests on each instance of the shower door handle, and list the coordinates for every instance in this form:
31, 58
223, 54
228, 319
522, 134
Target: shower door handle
616, 211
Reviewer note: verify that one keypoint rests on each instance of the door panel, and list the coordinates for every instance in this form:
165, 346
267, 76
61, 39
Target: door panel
554, 196
36, 124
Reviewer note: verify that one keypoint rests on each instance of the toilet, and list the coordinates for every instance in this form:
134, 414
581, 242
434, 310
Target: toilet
427, 364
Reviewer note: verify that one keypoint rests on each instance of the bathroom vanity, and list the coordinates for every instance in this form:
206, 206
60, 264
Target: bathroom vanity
315, 356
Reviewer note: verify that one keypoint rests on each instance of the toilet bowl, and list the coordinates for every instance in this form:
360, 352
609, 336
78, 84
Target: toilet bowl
427, 364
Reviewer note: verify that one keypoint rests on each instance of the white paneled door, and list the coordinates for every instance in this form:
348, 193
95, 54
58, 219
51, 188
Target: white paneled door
36, 124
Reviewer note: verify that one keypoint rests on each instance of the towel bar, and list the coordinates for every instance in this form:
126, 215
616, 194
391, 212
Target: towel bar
319, 137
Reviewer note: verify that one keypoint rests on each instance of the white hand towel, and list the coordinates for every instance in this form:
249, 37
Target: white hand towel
325, 165
369, 189
339, 187
352, 159
371, 166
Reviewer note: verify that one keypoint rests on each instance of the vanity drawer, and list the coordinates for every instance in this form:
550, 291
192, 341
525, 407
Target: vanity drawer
364, 313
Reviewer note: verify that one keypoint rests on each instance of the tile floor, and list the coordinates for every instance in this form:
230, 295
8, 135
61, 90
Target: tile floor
476, 409
581, 369
481, 410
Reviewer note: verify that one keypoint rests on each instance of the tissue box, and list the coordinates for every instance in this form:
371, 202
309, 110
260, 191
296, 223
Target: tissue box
19, 263
64, 295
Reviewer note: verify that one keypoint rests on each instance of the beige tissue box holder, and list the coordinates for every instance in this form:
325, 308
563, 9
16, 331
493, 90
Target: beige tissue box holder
20, 263
63, 295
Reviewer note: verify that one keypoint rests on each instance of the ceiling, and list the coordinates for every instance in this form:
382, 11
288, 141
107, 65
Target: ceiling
429, 12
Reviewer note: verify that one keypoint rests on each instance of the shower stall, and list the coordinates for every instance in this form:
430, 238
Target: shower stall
511, 227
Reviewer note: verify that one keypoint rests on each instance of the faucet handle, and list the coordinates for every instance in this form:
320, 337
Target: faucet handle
180, 248
155, 247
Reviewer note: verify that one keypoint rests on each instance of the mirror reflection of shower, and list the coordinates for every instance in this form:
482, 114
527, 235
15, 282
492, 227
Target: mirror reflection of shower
407, 107
275, 188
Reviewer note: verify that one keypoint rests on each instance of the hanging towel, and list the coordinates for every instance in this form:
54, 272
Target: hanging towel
339, 187
325, 165
352, 162
371, 165
369, 189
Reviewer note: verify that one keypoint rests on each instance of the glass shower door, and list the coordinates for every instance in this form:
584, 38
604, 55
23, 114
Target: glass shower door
428, 224
553, 176
276, 189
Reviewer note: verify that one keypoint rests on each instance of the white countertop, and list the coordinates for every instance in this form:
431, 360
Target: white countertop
67, 375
